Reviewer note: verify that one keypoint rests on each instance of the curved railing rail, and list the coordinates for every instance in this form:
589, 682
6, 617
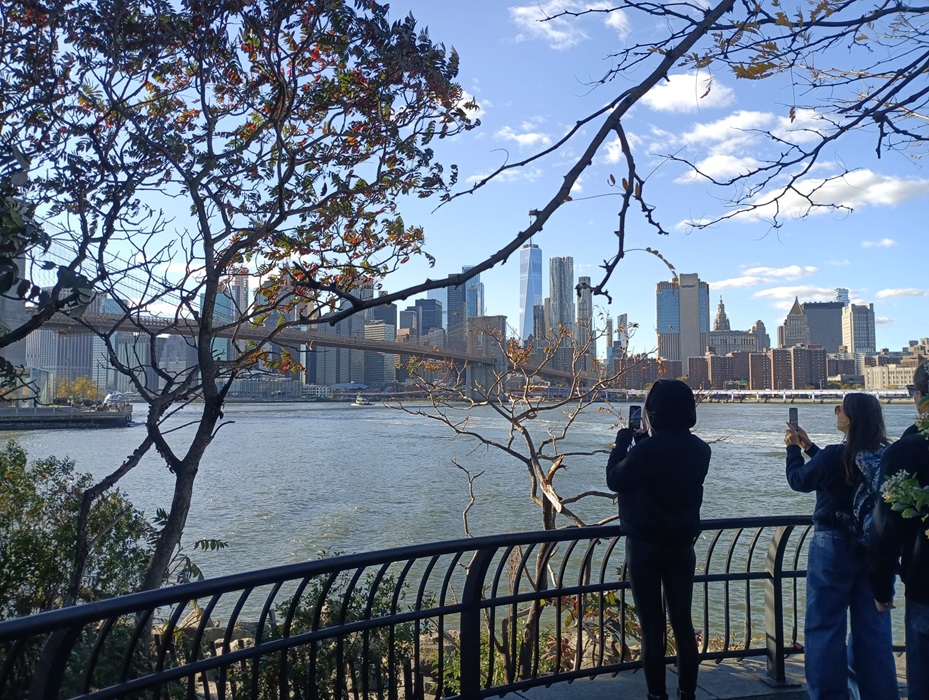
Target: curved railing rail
468, 618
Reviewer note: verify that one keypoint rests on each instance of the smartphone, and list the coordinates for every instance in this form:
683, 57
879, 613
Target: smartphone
635, 417
792, 417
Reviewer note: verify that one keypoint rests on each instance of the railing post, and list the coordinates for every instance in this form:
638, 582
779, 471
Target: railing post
774, 606
471, 624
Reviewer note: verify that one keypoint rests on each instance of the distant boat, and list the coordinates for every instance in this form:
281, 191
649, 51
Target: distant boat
361, 401
121, 397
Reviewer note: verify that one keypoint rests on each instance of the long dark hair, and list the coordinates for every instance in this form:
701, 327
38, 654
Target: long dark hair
866, 431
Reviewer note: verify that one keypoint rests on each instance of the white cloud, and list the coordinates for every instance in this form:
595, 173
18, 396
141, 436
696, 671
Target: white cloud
883, 243
901, 293
735, 128
791, 272
763, 275
614, 151
563, 32
736, 282
515, 175
883, 321
807, 126
845, 262
788, 294
526, 139
720, 167
688, 92
855, 190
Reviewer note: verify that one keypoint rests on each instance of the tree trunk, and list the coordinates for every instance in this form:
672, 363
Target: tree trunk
170, 536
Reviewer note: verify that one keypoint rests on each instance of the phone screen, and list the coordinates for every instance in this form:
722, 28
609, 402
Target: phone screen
792, 417
635, 417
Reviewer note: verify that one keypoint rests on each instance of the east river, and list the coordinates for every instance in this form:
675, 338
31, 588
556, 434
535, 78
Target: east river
285, 482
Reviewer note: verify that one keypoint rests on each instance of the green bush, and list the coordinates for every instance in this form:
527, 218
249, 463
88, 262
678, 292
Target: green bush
39, 505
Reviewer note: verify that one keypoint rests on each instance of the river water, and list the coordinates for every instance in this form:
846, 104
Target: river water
286, 482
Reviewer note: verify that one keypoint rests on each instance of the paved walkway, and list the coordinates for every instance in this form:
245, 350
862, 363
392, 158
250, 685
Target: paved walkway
729, 680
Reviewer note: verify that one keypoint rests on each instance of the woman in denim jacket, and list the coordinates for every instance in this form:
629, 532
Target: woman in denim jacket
837, 576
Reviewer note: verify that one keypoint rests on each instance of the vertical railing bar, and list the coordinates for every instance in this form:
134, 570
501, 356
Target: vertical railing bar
392, 689
565, 559
283, 683
545, 554
471, 624
774, 604
625, 579
340, 648
749, 617
366, 635
796, 598
168, 634
321, 602
582, 582
262, 619
195, 648
707, 564
441, 626
727, 590
419, 690
607, 555
102, 633
227, 638
491, 626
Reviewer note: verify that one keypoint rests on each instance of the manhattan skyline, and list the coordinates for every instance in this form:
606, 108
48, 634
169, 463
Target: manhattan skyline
533, 80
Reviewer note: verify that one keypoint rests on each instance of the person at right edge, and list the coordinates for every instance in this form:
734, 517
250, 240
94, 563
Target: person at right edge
837, 660
660, 487
906, 540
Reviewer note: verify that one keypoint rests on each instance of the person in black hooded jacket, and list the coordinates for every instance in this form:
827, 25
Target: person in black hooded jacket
659, 481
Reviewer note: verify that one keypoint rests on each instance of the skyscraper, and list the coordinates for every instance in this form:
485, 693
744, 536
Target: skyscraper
430, 311
455, 318
561, 290
683, 314
858, 328
530, 287
796, 328
585, 319
825, 323
474, 295
441, 296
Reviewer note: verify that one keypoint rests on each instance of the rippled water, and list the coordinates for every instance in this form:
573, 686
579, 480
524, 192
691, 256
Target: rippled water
285, 482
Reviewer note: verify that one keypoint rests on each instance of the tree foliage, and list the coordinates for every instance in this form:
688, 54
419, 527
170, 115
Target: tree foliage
180, 146
78, 389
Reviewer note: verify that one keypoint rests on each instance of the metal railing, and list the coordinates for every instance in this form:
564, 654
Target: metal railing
469, 618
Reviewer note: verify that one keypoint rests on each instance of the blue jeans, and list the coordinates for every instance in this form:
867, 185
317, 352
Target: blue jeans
917, 649
837, 589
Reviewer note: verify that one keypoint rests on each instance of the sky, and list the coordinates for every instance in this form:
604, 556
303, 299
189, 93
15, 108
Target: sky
533, 81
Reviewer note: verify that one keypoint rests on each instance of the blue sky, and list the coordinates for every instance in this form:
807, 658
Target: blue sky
533, 82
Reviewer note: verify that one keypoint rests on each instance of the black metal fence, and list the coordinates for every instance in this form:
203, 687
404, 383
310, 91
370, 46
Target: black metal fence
469, 618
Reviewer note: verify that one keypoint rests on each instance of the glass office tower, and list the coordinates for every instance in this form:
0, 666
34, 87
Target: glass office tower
530, 287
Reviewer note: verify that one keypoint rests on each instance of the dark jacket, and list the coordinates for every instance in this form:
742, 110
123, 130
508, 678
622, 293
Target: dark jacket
895, 538
660, 484
824, 473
